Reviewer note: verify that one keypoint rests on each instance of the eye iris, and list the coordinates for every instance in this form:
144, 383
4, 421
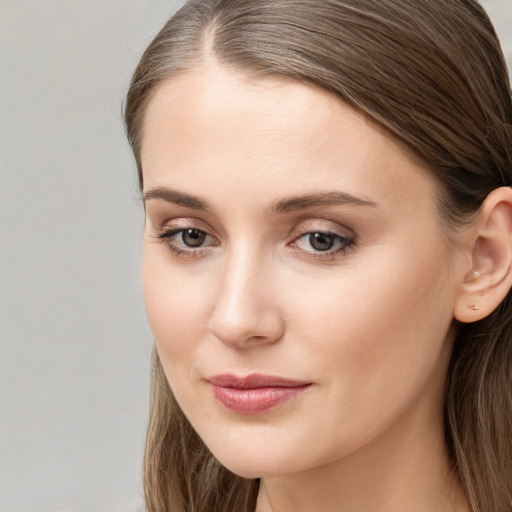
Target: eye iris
193, 237
321, 241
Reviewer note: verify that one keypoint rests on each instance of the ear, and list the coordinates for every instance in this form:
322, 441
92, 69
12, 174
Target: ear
489, 278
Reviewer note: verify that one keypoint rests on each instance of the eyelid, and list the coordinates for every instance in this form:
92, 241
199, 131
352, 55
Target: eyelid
169, 233
182, 223
322, 226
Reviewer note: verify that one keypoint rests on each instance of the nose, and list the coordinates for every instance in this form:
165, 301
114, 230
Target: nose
246, 313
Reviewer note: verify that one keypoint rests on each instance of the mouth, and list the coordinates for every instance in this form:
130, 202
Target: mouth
254, 394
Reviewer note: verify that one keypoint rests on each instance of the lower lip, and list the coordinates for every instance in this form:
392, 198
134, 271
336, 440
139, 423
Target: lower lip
255, 400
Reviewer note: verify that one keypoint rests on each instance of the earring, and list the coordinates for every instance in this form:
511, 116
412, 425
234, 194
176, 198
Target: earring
473, 307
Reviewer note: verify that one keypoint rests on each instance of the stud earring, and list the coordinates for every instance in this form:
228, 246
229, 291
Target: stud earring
473, 307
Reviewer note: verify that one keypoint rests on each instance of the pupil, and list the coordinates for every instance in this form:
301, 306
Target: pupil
193, 237
321, 241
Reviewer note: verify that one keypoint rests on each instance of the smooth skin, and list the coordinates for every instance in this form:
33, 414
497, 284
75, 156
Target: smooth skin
288, 235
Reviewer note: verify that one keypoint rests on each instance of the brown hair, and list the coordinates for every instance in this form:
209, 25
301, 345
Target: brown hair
433, 74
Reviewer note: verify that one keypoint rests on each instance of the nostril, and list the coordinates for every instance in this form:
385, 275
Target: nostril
248, 327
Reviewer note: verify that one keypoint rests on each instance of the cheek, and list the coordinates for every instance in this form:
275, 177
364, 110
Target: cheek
178, 305
382, 319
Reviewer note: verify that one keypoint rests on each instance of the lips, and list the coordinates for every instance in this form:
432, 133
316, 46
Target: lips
254, 394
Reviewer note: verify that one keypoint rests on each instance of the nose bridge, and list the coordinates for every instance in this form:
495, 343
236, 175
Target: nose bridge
246, 310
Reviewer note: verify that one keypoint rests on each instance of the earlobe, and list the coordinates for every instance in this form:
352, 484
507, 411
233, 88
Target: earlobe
489, 280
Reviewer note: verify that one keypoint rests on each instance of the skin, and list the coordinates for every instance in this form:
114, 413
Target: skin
368, 323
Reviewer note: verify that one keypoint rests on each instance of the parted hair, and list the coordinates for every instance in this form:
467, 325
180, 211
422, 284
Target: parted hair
432, 73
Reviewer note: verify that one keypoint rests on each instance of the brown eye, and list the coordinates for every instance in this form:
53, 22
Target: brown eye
322, 241
323, 244
191, 242
193, 237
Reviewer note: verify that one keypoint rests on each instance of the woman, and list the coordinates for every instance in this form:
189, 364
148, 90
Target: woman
327, 256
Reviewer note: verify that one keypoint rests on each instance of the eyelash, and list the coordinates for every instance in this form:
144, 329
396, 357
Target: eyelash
345, 242
167, 237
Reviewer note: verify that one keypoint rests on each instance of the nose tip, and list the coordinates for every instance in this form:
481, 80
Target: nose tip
246, 316
236, 334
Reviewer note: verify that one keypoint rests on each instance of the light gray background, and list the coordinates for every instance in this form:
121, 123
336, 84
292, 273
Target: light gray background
74, 343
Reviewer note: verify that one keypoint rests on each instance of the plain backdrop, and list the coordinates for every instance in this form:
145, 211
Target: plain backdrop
74, 342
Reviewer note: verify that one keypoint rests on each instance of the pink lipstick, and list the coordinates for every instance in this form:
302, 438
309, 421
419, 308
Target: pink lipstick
254, 394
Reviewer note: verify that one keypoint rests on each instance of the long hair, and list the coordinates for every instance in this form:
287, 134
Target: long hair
433, 74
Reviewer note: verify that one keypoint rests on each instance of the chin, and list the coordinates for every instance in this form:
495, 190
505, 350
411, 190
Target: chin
253, 469
258, 463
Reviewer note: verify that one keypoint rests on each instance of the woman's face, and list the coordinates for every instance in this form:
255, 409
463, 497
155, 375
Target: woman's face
296, 278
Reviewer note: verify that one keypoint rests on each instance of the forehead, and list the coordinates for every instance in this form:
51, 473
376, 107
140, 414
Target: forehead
222, 128
213, 103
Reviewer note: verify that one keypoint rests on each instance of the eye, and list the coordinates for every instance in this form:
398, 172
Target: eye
323, 243
187, 241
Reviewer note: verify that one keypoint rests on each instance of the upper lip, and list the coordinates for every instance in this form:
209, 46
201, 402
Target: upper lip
255, 381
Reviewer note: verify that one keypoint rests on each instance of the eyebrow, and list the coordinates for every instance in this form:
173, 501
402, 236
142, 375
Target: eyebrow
320, 199
285, 205
175, 197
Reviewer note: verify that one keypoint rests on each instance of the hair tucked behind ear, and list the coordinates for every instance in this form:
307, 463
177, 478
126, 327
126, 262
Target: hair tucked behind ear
433, 74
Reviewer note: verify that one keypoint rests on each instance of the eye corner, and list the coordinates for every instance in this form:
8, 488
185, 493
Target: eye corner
186, 240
